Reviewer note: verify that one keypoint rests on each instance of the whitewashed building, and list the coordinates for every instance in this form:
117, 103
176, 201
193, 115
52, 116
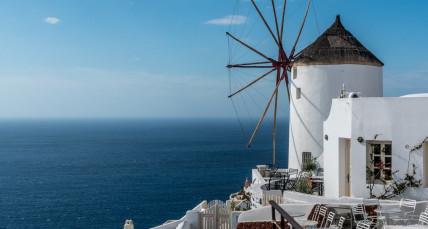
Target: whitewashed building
397, 126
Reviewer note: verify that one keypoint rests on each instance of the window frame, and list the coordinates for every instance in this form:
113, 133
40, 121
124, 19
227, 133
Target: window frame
382, 155
294, 73
298, 93
306, 156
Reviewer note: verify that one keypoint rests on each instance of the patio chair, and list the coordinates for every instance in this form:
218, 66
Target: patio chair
364, 224
292, 171
320, 172
322, 213
407, 207
317, 186
423, 218
316, 211
369, 206
340, 223
359, 214
293, 176
329, 220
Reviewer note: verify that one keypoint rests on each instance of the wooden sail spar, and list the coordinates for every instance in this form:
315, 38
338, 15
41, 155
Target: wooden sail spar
282, 64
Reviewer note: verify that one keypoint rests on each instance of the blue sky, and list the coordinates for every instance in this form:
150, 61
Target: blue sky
166, 58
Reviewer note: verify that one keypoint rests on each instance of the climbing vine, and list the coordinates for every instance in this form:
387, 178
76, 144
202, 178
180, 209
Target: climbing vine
391, 187
419, 146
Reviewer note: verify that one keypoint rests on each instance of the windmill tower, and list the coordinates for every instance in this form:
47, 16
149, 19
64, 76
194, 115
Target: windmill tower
318, 74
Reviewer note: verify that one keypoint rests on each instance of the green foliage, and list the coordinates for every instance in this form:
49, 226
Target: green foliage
233, 205
419, 146
400, 186
302, 186
310, 165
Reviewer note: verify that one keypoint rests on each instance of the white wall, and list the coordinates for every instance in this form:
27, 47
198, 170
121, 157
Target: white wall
319, 85
188, 217
334, 132
404, 121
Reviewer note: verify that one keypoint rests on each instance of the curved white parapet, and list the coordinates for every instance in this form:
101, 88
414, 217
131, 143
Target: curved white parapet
415, 95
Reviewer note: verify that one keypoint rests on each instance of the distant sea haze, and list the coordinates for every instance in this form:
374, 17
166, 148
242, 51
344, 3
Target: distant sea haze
98, 173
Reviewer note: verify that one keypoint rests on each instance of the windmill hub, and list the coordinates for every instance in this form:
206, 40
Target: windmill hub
281, 64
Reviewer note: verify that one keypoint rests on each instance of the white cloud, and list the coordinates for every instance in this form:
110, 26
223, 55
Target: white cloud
52, 20
227, 20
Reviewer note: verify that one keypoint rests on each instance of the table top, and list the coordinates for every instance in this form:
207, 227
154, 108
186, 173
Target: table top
386, 210
295, 213
282, 170
307, 223
317, 177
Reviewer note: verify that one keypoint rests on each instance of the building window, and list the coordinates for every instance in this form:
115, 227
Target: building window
379, 161
306, 157
298, 93
294, 73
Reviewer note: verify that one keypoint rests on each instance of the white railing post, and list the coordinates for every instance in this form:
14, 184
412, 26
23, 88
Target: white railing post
192, 217
234, 219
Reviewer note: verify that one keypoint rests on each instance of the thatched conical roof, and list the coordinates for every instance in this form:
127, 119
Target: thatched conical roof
336, 46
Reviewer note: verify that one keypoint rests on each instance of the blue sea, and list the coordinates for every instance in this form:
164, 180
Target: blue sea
96, 173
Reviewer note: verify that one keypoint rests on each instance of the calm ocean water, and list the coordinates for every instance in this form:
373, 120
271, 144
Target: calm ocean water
98, 173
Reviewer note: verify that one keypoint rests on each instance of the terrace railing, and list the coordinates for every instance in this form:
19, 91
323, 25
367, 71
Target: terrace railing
284, 216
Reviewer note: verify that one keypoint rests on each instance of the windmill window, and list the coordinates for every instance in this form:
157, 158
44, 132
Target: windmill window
298, 93
379, 161
294, 73
306, 157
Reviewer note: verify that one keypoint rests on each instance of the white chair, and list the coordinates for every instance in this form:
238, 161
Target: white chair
371, 204
323, 212
329, 220
340, 223
359, 214
407, 208
364, 224
423, 218
316, 211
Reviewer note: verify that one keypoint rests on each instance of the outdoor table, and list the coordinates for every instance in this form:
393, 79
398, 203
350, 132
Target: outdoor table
383, 212
308, 223
295, 213
386, 210
282, 170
